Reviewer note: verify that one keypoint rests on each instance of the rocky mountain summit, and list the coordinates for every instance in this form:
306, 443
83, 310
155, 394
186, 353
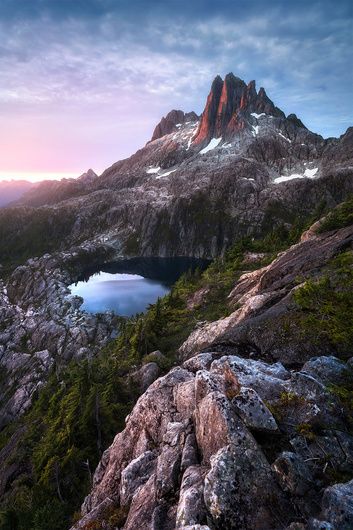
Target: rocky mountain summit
171, 123
228, 106
243, 162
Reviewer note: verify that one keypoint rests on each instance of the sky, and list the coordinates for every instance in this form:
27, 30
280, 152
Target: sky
84, 82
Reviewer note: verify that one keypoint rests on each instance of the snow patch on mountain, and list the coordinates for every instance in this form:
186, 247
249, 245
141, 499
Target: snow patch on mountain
308, 173
153, 170
211, 145
257, 116
282, 135
166, 173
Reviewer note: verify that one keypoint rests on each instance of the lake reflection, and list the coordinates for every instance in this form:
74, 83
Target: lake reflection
125, 294
128, 286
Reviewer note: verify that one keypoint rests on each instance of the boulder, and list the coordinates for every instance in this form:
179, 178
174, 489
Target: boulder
169, 459
135, 475
337, 505
253, 411
239, 480
292, 473
142, 506
327, 369
145, 376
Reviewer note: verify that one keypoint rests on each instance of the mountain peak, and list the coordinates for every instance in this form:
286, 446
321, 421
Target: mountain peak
294, 119
88, 175
169, 123
228, 104
217, 80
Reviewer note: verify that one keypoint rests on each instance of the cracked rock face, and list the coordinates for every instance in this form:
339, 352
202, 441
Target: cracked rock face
42, 324
338, 505
194, 454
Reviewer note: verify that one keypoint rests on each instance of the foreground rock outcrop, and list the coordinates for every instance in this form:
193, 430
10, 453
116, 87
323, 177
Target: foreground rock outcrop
264, 320
221, 435
252, 420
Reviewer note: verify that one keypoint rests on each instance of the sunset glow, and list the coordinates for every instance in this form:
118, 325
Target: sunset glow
34, 177
83, 84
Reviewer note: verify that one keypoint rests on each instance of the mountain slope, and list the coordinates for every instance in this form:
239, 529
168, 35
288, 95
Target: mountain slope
305, 399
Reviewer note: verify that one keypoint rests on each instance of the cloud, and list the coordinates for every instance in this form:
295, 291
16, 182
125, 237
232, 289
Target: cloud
122, 64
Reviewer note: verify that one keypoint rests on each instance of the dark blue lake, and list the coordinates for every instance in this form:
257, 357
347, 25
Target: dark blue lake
128, 287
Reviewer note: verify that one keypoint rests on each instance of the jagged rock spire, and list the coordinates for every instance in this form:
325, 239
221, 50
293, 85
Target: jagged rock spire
229, 102
168, 123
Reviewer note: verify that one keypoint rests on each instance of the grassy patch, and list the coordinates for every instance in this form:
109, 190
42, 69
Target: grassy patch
327, 305
340, 217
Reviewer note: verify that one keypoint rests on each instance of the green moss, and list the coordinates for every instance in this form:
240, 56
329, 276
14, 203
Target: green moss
290, 399
286, 402
306, 430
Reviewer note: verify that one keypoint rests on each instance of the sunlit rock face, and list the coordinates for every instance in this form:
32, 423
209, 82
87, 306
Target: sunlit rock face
228, 106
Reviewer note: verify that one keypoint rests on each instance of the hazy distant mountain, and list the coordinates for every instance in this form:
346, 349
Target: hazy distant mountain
53, 191
12, 190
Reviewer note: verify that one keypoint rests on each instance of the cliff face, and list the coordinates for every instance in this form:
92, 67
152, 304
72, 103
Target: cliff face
266, 319
171, 122
42, 325
230, 103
